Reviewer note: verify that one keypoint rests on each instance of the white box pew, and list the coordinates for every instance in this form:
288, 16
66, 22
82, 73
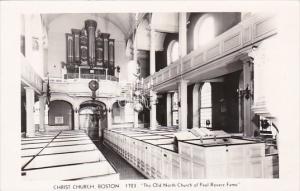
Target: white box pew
36, 139
159, 141
135, 134
150, 137
64, 159
163, 133
71, 139
88, 170
71, 148
25, 160
52, 144
30, 152
71, 132
71, 135
33, 145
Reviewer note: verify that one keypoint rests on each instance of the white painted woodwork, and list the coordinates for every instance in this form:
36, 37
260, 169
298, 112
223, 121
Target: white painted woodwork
271, 166
76, 120
42, 102
266, 65
182, 110
79, 87
30, 127
53, 160
152, 51
182, 34
153, 122
233, 161
217, 58
155, 158
101, 169
196, 106
169, 109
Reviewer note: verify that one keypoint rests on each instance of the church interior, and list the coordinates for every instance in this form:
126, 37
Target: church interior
154, 95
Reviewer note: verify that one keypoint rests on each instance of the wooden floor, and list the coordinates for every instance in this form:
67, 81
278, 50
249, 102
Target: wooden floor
125, 170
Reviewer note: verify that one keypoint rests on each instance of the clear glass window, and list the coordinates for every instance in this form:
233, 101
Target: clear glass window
206, 106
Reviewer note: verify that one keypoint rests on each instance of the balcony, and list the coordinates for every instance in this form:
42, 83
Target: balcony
215, 58
79, 87
90, 76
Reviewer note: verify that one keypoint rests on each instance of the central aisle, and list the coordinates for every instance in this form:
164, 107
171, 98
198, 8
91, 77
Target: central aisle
126, 171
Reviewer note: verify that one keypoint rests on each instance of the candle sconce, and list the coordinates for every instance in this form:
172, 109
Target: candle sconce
247, 93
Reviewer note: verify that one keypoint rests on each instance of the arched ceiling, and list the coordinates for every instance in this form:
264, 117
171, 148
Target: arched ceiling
124, 21
162, 22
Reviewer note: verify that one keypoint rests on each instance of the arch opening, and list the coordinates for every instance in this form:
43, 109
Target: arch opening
60, 115
93, 118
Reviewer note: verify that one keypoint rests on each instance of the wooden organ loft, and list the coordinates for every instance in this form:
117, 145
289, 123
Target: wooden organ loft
90, 54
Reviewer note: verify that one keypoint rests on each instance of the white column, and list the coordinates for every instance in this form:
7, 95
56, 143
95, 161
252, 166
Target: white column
196, 105
182, 110
249, 125
30, 128
42, 100
136, 119
109, 118
182, 35
153, 122
76, 117
152, 51
169, 109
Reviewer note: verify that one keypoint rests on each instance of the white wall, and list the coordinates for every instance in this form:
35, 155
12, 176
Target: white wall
32, 28
57, 41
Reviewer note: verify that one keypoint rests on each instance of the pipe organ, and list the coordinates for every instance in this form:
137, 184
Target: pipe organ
90, 49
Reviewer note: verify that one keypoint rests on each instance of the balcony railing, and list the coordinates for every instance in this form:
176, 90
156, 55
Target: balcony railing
90, 76
244, 34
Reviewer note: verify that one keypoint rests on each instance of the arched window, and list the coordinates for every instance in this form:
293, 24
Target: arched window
172, 52
204, 31
174, 109
206, 106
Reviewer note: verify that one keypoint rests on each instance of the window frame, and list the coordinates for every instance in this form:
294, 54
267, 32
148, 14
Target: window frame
170, 51
198, 27
206, 107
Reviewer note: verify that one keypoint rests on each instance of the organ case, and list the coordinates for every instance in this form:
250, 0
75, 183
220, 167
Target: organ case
99, 50
86, 47
76, 45
111, 67
105, 37
90, 26
83, 47
69, 43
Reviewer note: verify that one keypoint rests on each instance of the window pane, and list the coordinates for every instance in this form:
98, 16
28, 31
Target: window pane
206, 31
205, 115
205, 108
206, 95
174, 53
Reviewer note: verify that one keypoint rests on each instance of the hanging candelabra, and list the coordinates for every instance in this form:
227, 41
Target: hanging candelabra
139, 97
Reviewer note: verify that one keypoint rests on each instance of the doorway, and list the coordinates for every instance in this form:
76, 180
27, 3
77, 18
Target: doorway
93, 118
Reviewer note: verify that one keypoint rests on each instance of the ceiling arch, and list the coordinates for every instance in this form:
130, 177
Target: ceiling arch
124, 21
